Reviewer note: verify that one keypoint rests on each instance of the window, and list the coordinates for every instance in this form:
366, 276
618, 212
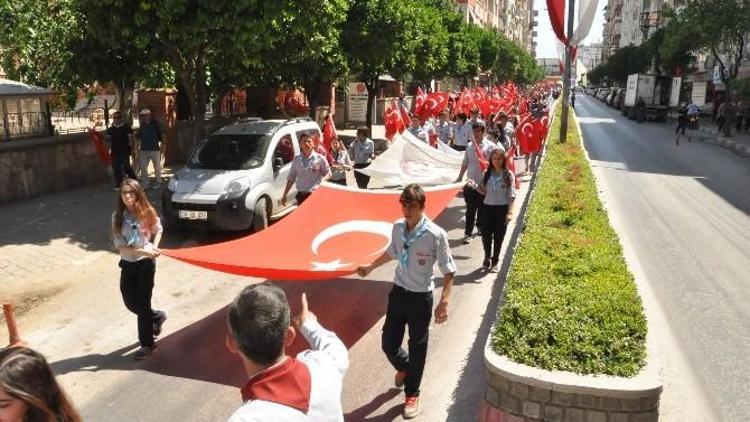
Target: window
284, 149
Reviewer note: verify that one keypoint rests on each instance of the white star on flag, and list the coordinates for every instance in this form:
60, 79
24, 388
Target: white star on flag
329, 266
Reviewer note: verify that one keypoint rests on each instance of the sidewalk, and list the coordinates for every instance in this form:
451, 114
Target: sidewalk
739, 143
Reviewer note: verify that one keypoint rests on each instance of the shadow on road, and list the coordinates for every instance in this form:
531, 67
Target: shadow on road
349, 307
361, 414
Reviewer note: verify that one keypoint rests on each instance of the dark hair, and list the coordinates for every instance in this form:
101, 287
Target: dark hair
478, 125
413, 193
25, 375
303, 136
258, 320
462, 116
504, 171
363, 130
144, 211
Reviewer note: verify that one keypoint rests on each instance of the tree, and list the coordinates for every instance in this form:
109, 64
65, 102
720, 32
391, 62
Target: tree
306, 50
721, 27
379, 38
34, 36
432, 37
674, 45
463, 47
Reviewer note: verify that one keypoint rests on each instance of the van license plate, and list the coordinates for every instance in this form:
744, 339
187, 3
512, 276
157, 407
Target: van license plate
193, 215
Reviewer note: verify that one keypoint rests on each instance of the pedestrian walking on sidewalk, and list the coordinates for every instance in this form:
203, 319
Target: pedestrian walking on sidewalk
29, 391
417, 243
475, 162
498, 188
120, 137
721, 117
281, 387
137, 230
150, 147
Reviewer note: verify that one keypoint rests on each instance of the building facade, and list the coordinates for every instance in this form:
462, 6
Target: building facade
516, 19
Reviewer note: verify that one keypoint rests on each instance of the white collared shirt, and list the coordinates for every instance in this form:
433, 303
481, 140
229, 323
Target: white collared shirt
430, 248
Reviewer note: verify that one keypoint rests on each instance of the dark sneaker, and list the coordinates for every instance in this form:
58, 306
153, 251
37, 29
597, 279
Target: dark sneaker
486, 263
159, 319
144, 352
493, 265
398, 379
411, 407
467, 239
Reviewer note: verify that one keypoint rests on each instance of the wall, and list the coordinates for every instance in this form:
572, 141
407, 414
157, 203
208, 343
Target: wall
33, 167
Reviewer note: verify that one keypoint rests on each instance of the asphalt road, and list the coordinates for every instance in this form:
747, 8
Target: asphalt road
682, 213
89, 337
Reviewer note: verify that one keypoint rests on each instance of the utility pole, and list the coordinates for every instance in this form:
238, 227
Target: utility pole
567, 75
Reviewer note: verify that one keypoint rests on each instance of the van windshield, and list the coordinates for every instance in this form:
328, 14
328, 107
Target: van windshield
230, 152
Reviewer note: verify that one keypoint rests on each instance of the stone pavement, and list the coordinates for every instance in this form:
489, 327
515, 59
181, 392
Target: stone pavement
739, 143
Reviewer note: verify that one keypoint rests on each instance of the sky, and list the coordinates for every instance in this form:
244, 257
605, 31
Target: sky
546, 41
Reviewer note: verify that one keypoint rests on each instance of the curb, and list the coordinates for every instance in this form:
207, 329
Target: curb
519, 393
724, 142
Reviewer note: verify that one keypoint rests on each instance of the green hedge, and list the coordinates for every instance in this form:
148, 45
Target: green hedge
570, 302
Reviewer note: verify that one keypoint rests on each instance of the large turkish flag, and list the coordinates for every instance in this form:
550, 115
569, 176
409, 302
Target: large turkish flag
336, 230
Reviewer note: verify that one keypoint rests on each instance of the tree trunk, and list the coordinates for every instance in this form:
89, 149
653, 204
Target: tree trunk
371, 93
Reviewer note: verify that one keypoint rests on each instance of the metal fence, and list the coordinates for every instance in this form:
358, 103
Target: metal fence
20, 125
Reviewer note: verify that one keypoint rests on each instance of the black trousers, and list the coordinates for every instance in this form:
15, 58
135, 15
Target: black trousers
362, 179
414, 310
681, 125
341, 182
136, 286
493, 230
459, 147
120, 162
474, 201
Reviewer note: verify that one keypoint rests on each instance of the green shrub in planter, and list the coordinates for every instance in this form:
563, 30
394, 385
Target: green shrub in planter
570, 302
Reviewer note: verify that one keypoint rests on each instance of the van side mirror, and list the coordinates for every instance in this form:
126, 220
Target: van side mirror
278, 163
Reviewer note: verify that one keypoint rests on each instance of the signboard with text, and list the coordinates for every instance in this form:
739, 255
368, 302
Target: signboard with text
357, 107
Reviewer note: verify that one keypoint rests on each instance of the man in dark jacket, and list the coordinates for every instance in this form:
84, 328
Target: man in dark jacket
150, 151
119, 137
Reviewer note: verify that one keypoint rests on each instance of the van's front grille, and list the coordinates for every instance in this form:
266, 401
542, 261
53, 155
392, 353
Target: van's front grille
193, 207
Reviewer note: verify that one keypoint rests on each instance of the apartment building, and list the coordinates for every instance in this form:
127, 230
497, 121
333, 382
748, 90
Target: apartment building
514, 18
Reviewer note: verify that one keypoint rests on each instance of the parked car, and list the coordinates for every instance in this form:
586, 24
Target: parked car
602, 93
235, 177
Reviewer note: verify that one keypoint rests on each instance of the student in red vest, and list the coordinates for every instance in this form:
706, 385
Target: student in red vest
281, 387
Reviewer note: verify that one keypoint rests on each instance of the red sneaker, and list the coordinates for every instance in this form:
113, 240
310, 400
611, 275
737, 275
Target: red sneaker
411, 407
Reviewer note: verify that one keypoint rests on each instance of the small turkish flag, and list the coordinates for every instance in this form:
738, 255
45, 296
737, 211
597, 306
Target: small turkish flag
419, 101
329, 133
392, 119
435, 103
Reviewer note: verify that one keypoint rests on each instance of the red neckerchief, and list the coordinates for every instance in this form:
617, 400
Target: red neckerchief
288, 383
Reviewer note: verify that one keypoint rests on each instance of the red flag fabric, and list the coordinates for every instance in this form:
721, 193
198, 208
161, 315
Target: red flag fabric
405, 117
101, 147
556, 9
525, 135
465, 102
483, 163
419, 101
435, 103
392, 119
318, 244
329, 132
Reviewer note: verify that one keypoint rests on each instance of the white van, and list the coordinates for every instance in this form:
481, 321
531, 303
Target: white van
234, 179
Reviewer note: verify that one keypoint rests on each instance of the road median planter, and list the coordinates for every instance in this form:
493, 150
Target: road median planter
569, 343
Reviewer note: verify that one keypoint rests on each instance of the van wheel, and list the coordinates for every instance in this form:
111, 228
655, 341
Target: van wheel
260, 215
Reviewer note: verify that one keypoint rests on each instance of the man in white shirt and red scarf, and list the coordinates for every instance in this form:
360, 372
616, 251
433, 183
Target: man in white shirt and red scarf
281, 387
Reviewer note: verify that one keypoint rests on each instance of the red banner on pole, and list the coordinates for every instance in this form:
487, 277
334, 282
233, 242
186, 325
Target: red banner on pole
556, 9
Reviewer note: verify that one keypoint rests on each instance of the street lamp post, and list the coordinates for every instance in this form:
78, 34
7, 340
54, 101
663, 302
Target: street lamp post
567, 73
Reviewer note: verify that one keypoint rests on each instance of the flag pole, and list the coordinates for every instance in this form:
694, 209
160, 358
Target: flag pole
567, 74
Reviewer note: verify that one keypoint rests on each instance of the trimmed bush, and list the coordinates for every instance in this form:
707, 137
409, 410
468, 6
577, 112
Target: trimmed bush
570, 302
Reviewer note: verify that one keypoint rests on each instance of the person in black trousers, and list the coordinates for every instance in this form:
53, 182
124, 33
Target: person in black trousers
498, 187
137, 230
417, 243
119, 135
362, 151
